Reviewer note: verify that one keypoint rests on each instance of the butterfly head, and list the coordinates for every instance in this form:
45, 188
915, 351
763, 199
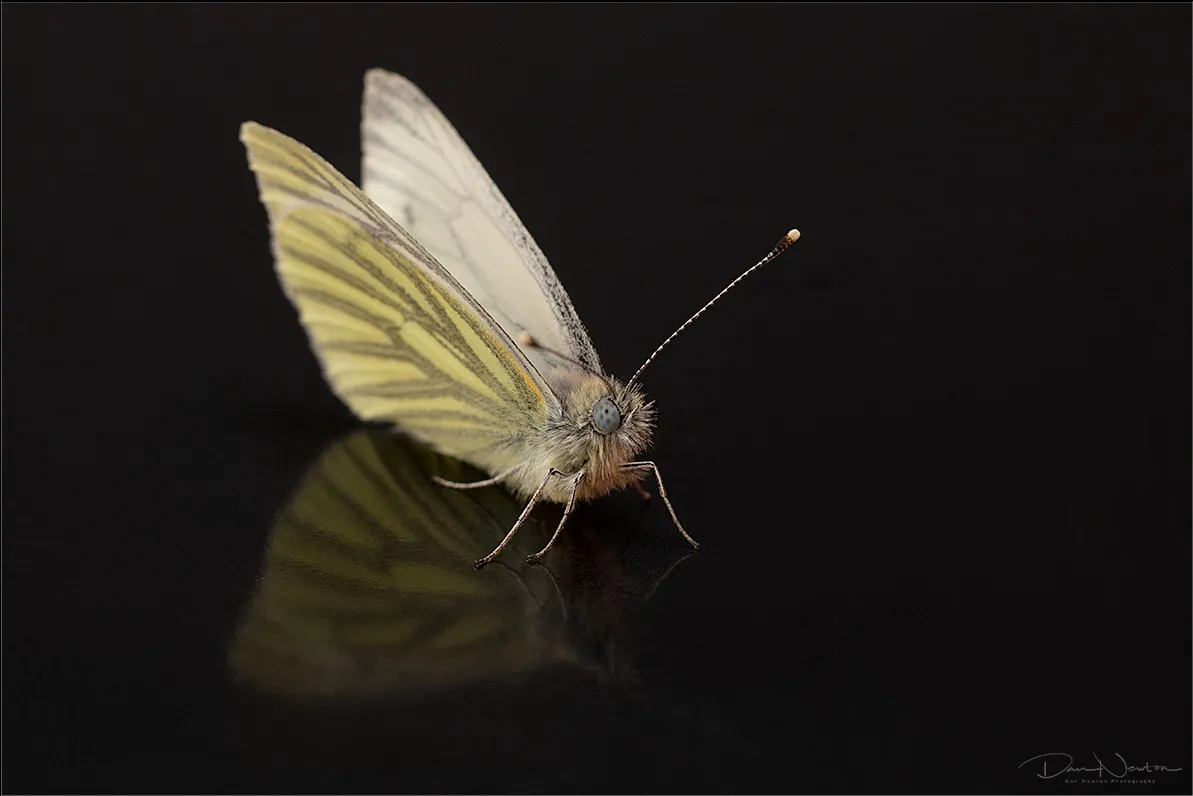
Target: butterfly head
605, 423
618, 417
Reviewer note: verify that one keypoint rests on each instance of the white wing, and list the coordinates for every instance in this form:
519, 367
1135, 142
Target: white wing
418, 169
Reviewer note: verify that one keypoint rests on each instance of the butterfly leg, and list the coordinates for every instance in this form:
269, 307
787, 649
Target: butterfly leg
663, 494
468, 485
661, 578
550, 576
566, 513
521, 519
563, 606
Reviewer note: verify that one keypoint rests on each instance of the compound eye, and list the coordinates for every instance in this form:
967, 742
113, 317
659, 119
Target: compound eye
605, 416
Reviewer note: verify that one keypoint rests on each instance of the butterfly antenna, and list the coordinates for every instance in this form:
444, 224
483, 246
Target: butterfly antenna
788, 239
529, 341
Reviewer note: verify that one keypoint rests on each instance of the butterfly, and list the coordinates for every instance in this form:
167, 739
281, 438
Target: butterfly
361, 591
430, 307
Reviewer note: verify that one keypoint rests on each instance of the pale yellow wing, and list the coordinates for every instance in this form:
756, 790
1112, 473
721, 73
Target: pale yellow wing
368, 584
398, 338
368, 587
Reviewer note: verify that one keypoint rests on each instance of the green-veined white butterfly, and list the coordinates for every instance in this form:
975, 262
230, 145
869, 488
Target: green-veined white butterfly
362, 590
414, 291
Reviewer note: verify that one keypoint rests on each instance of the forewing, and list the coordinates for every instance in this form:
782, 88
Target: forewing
368, 583
418, 168
399, 340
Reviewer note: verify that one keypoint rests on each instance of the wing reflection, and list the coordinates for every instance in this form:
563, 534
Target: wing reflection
368, 585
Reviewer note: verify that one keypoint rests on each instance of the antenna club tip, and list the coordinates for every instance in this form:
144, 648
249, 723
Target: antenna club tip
791, 237
527, 339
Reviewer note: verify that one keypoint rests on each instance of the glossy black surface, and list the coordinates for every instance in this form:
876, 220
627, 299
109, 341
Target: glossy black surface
937, 455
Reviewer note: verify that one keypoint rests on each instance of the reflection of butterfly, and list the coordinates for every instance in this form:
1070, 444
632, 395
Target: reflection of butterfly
424, 339
362, 591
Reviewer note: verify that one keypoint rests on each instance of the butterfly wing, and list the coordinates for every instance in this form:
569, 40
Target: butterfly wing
368, 584
398, 338
418, 168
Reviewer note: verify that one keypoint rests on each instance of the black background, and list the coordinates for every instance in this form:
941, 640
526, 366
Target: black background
938, 454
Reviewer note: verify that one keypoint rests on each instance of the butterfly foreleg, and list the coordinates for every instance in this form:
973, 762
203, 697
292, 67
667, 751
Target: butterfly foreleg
521, 519
566, 513
663, 494
469, 484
